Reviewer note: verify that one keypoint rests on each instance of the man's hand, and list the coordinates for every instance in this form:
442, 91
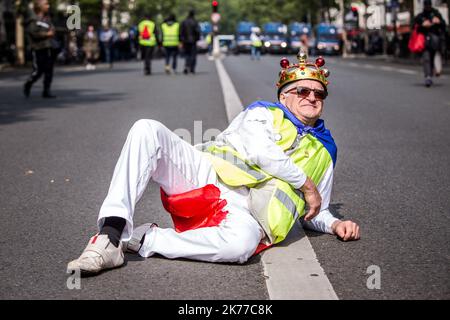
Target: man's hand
436, 20
50, 33
426, 24
312, 198
346, 230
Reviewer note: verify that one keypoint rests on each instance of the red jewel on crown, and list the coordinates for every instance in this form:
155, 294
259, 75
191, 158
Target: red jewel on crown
320, 62
284, 63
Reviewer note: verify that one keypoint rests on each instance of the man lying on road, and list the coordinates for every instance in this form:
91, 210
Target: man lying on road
232, 197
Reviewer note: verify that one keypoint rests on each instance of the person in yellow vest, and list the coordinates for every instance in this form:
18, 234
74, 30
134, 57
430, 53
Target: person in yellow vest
209, 42
148, 39
231, 197
170, 29
256, 45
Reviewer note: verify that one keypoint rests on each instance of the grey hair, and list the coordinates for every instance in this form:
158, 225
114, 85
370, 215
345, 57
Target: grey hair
288, 87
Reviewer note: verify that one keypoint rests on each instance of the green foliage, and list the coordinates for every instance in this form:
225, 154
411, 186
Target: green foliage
90, 12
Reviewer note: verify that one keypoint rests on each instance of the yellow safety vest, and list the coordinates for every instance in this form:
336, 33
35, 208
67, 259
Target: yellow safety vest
273, 202
257, 43
171, 34
151, 41
208, 39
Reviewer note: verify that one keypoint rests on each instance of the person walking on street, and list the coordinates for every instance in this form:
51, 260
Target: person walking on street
171, 42
432, 25
231, 197
91, 48
209, 42
189, 35
148, 39
41, 33
256, 46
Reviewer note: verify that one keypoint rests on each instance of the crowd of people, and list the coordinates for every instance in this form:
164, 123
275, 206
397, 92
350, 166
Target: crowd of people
142, 41
108, 45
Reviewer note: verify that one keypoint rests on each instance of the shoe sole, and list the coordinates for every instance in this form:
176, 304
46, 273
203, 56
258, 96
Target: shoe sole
88, 273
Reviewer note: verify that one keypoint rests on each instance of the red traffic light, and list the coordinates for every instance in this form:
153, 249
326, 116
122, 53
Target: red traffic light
215, 6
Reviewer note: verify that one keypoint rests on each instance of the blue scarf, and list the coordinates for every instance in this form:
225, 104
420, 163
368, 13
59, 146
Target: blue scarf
318, 131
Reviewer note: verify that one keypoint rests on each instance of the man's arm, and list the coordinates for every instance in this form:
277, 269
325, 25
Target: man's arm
255, 140
325, 222
38, 33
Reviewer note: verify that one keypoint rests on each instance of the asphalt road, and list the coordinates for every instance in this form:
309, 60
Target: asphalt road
392, 175
57, 158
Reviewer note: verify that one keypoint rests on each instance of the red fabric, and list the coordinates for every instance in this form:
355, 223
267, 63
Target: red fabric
198, 208
261, 247
194, 209
416, 42
145, 33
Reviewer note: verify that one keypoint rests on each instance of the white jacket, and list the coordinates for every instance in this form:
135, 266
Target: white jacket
251, 134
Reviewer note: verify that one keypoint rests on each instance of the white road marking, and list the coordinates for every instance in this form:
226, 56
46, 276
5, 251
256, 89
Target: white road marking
291, 268
407, 71
386, 68
233, 104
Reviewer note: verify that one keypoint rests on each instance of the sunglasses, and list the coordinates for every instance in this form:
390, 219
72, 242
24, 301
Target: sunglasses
305, 92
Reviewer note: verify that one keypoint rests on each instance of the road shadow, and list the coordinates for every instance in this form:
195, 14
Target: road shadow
14, 107
435, 84
335, 209
135, 258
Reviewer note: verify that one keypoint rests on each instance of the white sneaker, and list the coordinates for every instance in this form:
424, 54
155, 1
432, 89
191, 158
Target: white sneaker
100, 254
137, 239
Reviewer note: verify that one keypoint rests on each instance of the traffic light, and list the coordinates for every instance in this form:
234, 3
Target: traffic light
355, 15
215, 6
355, 12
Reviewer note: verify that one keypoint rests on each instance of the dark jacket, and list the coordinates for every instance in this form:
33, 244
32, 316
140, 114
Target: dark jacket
37, 29
429, 15
190, 31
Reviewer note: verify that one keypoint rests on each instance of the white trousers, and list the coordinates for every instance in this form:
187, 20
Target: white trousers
152, 151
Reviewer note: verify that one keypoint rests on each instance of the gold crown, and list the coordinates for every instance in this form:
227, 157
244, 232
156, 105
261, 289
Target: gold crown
304, 70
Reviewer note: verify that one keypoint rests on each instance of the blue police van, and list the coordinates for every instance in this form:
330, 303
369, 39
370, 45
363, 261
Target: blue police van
327, 39
275, 38
243, 32
205, 29
300, 36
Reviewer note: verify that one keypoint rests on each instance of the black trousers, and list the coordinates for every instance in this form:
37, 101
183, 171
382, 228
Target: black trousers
147, 56
428, 62
43, 62
171, 52
190, 53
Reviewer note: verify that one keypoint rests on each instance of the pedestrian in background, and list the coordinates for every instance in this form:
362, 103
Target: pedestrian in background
256, 45
41, 33
171, 41
148, 39
209, 42
91, 48
189, 35
432, 25
106, 40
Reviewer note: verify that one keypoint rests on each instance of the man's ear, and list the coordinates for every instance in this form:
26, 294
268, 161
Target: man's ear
282, 97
